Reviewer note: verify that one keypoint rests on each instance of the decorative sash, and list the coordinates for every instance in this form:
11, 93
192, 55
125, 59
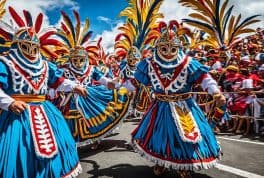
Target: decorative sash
43, 137
185, 122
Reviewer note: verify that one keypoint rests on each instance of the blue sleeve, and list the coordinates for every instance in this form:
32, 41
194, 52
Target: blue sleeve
141, 73
196, 70
54, 73
3, 75
97, 74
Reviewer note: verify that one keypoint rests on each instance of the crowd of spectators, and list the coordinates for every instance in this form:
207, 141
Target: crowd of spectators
239, 72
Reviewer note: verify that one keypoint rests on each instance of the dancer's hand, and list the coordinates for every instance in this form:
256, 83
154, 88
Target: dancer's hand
111, 85
80, 91
219, 99
17, 106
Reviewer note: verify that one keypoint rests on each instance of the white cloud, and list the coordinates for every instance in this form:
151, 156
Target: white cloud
37, 6
108, 38
173, 10
108, 21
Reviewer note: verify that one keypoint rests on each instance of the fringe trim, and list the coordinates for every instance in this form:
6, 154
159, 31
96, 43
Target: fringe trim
109, 132
172, 165
75, 172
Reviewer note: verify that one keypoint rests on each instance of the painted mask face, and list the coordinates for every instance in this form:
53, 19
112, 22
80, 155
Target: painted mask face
78, 57
132, 62
168, 51
28, 44
78, 61
29, 50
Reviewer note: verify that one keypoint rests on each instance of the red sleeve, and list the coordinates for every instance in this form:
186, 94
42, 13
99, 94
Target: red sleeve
200, 79
57, 83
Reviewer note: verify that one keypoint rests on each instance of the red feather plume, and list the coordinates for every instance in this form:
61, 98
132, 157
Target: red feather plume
5, 34
46, 35
28, 18
51, 42
173, 23
16, 17
64, 28
162, 26
38, 22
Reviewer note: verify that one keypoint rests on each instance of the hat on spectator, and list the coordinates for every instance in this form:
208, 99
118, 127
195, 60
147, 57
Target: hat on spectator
261, 68
246, 59
259, 57
232, 68
217, 65
247, 84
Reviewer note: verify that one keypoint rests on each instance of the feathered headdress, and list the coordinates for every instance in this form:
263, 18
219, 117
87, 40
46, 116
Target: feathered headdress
75, 38
173, 32
216, 19
101, 56
10, 34
2, 10
141, 18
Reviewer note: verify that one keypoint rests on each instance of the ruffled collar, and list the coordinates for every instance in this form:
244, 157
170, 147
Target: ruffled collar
169, 65
24, 63
79, 71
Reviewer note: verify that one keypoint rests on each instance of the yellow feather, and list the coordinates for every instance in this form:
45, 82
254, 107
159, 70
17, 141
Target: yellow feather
211, 5
197, 6
247, 30
210, 32
223, 8
249, 23
2, 10
2, 4
200, 17
230, 28
85, 29
237, 20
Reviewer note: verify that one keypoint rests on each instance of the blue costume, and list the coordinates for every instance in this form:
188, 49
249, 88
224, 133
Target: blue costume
35, 140
95, 116
174, 132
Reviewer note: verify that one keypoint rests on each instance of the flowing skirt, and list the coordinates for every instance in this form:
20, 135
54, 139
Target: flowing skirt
19, 157
98, 114
176, 135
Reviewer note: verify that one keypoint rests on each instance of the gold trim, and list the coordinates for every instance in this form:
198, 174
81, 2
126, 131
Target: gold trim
173, 97
29, 98
85, 134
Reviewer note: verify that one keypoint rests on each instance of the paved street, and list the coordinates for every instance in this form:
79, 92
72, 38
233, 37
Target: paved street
243, 157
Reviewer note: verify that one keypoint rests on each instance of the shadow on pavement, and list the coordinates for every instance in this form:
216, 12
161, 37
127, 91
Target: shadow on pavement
131, 171
105, 146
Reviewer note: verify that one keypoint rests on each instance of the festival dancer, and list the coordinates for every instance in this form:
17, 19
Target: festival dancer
93, 117
135, 37
174, 132
35, 140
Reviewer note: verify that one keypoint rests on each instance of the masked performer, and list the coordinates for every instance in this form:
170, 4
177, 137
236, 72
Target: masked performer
93, 117
35, 140
135, 37
174, 132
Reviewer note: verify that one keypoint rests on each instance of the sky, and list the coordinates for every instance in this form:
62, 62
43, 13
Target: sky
103, 14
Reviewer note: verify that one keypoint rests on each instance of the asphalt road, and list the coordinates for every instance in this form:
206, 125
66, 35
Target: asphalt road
243, 157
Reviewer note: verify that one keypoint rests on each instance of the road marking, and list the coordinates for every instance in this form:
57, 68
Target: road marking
242, 141
238, 172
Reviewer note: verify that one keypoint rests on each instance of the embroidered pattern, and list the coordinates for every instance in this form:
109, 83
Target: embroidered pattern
185, 122
28, 82
43, 137
84, 80
175, 82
